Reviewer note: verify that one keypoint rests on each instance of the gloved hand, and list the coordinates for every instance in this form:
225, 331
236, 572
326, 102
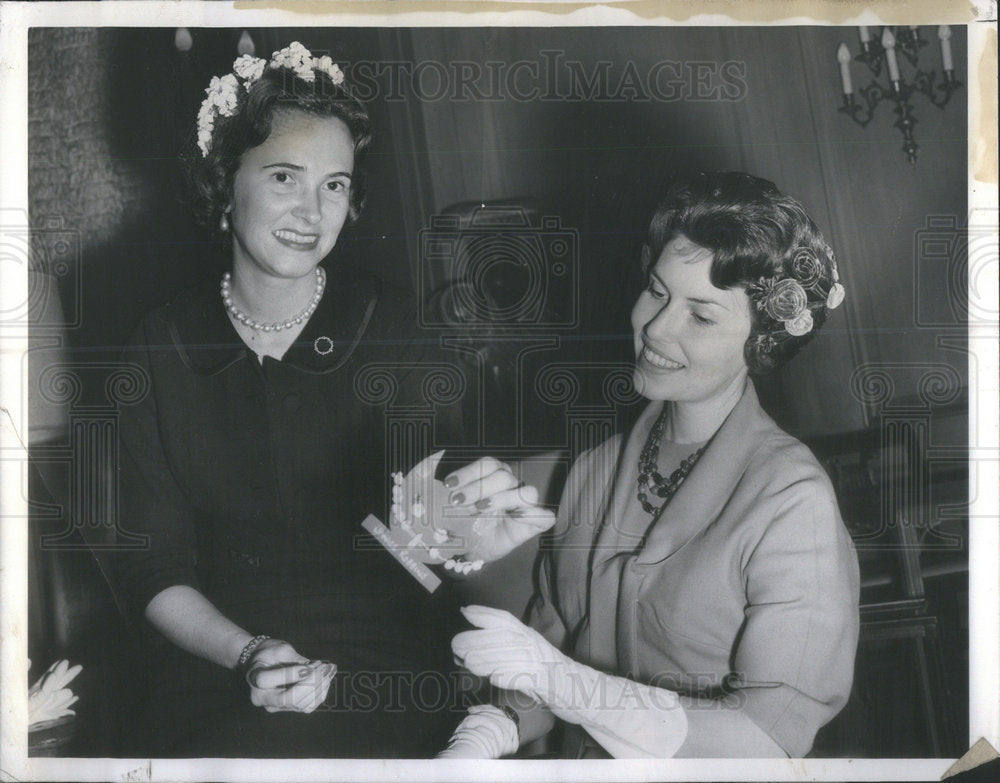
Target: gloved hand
513, 656
629, 719
485, 733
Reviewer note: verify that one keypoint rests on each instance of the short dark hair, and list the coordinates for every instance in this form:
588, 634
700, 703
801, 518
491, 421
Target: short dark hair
757, 235
209, 178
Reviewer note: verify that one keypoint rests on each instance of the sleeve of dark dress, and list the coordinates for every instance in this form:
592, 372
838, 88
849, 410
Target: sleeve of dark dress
151, 503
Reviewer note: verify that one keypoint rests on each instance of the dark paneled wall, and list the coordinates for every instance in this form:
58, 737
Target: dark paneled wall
762, 100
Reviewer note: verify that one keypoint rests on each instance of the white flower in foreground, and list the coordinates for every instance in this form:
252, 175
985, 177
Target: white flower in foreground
49, 698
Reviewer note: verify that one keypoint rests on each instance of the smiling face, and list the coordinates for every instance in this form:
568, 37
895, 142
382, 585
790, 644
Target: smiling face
689, 335
291, 196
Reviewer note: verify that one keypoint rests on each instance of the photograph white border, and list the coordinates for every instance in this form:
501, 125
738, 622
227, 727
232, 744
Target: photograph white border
984, 583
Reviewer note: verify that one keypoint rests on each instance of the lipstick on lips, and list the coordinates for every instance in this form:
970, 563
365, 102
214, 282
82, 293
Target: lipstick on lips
658, 361
295, 240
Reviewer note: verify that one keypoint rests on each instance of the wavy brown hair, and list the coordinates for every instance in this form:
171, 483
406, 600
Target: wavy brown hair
209, 179
755, 234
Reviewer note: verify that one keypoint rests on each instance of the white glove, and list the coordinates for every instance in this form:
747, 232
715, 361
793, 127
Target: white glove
629, 719
485, 733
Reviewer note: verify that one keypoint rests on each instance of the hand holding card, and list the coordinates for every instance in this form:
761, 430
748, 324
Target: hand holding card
478, 514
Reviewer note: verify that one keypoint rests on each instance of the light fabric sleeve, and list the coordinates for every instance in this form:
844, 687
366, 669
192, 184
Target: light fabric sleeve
572, 534
796, 654
629, 719
542, 613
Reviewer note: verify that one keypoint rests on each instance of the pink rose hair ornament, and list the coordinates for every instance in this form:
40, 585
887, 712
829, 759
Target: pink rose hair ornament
786, 302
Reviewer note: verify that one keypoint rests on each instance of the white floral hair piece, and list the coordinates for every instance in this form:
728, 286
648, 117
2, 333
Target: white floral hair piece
296, 58
299, 59
222, 94
249, 69
221, 98
330, 68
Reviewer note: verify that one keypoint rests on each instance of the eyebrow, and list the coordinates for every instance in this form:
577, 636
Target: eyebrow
296, 167
694, 299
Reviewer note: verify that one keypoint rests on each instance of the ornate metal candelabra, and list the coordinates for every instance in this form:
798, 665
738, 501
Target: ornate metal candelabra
876, 52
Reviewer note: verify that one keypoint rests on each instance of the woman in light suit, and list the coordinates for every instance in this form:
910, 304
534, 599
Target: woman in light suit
700, 593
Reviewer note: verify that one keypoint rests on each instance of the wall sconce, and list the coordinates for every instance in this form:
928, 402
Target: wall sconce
874, 53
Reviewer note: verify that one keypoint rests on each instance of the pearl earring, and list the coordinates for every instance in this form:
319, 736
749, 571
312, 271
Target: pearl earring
224, 223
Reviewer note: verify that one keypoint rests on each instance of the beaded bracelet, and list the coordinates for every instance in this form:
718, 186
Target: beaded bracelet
248, 650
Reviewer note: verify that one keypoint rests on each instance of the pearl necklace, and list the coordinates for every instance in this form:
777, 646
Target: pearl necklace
277, 326
650, 480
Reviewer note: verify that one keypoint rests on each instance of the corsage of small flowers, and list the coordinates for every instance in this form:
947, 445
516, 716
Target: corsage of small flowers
223, 92
786, 300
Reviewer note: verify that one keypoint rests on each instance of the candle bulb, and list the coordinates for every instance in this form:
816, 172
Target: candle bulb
889, 44
944, 33
844, 58
246, 45
183, 40
865, 35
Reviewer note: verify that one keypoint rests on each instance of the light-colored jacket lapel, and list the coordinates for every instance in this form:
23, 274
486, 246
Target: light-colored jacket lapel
711, 482
618, 526
620, 556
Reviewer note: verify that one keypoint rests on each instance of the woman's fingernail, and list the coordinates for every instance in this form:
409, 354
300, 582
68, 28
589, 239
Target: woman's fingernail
451, 481
485, 503
457, 498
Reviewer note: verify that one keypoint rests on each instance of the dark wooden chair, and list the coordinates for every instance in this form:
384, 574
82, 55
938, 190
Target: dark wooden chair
903, 702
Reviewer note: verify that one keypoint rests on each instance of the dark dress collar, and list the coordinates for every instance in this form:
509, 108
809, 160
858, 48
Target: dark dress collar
208, 343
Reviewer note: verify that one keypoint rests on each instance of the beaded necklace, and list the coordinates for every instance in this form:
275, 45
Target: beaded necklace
225, 290
650, 480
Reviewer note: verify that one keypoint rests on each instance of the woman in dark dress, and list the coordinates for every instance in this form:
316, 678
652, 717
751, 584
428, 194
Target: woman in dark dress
258, 451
